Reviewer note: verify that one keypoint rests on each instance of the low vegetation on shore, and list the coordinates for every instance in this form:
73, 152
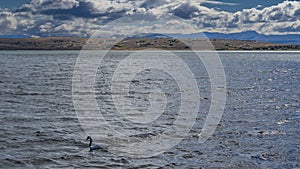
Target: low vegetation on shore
67, 43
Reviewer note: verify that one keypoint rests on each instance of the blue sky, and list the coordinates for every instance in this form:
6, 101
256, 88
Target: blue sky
83, 17
12, 3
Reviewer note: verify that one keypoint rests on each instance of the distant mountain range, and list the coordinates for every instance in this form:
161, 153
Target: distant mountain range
249, 35
14, 36
252, 35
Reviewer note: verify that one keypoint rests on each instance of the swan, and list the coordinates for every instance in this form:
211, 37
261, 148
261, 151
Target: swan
95, 147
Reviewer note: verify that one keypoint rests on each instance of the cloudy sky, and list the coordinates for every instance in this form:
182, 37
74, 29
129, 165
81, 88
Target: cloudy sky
84, 17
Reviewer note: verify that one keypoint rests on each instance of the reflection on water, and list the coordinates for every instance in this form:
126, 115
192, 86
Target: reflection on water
259, 128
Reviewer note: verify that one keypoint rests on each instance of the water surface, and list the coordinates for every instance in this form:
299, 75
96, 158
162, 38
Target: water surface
259, 128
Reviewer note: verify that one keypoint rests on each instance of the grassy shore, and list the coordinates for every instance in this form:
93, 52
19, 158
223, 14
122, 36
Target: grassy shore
68, 43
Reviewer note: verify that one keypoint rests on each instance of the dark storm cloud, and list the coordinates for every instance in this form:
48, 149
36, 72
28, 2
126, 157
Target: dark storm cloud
148, 4
83, 10
185, 11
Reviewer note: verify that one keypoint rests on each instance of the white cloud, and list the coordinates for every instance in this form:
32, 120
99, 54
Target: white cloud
46, 27
220, 3
102, 7
278, 19
39, 5
83, 17
286, 11
8, 23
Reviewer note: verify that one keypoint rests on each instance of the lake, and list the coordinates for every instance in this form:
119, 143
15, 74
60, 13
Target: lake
40, 126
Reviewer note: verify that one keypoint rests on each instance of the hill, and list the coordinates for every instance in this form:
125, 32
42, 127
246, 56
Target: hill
137, 43
252, 35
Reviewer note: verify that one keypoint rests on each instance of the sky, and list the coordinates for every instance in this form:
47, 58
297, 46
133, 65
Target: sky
82, 18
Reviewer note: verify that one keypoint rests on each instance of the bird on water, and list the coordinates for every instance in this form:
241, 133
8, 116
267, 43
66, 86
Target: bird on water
94, 147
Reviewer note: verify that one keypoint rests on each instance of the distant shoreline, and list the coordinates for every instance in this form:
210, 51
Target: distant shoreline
67, 43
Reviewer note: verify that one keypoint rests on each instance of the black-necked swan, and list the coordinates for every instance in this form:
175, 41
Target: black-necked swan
95, 147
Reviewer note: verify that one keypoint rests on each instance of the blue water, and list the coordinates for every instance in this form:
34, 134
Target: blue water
259, 127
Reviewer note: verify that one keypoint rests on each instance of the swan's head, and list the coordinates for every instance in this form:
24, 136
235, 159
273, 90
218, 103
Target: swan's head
89, 138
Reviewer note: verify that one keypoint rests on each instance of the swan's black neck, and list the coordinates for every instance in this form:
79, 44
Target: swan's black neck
90, 142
